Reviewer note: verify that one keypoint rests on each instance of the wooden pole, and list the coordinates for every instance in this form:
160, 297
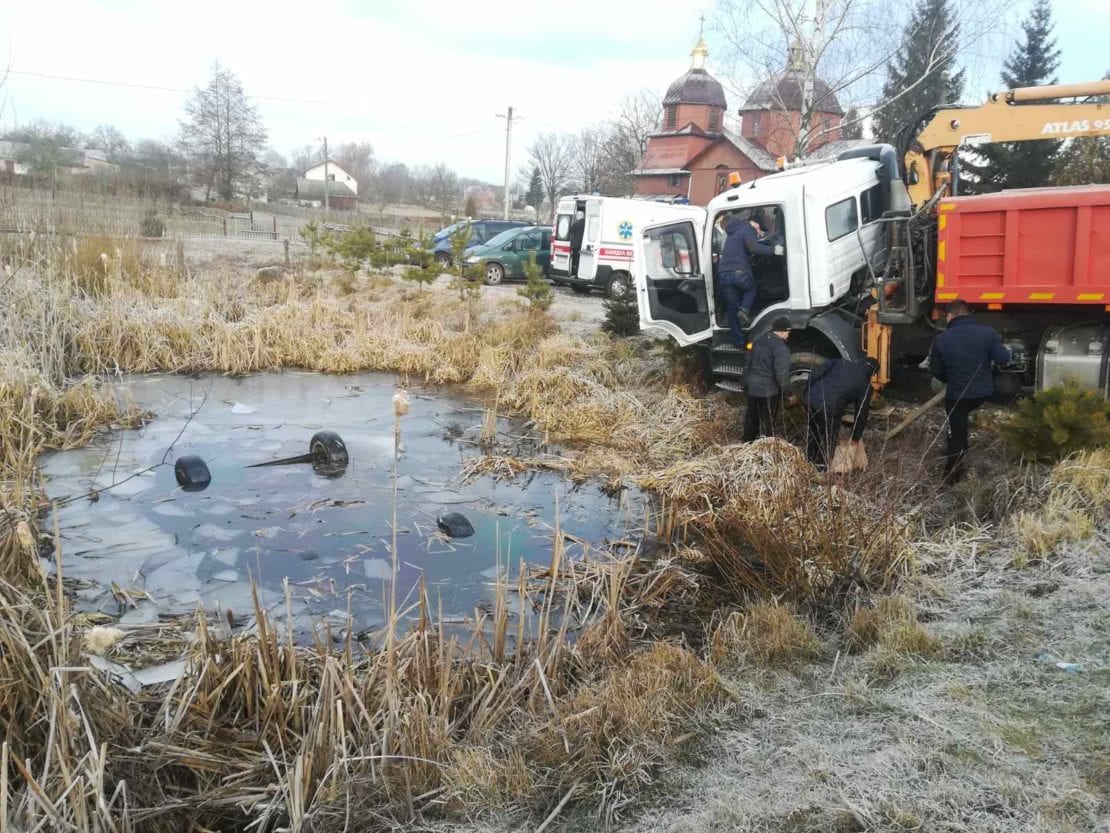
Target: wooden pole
916, 415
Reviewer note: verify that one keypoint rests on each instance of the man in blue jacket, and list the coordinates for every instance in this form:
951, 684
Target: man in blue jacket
833, 387
961, 358
735, 269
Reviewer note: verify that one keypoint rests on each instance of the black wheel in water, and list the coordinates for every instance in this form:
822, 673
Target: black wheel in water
192, 472
328, 447
581, 290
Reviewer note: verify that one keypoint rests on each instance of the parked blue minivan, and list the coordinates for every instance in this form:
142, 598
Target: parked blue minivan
481, 232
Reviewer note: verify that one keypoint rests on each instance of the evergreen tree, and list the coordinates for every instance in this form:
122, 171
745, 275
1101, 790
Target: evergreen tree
535, 190
852, 126
1022, 164
1084, 161
923, 74
622, 316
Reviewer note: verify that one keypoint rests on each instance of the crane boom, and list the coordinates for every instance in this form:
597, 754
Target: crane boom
1019, 115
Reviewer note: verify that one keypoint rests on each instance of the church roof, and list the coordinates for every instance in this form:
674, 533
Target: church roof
696, 86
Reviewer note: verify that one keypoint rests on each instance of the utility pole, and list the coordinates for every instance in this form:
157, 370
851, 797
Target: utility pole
327, 204
508, 153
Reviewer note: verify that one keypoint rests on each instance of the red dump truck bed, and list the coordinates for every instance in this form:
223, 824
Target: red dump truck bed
1035, 246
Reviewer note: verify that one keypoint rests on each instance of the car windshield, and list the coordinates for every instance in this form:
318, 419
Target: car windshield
447, 232
503, 238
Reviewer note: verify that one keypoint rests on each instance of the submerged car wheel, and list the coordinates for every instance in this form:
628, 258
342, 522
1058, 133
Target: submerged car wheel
495, 273
328, 447
619, 286
192, 472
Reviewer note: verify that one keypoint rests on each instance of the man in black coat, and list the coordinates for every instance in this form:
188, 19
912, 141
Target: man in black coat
737, 281
833, 388
577, 230
961, 358
767, 380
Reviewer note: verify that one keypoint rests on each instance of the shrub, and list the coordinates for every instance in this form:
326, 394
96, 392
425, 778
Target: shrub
421, 275
537, 291
622, 316
153, 226
1059, 421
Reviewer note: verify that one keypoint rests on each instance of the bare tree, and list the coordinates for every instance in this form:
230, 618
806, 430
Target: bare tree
589, 159
278, 179
553, 154
626, 140
357, 159
223, 135
305, 157
110, 140
832, 50
443, 188
387, 186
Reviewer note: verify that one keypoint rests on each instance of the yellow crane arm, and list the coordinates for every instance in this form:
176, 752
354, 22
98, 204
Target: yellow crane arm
1020, 115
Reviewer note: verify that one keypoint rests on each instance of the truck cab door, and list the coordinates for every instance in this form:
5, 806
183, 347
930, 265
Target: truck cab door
671, 289
591, 241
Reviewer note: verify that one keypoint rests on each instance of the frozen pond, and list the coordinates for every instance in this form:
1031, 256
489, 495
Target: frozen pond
325, 535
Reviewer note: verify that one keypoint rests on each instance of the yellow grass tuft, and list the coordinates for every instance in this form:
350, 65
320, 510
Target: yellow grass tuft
766, 634
867, 623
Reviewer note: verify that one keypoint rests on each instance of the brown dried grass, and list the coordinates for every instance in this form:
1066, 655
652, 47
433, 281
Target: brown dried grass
765, 634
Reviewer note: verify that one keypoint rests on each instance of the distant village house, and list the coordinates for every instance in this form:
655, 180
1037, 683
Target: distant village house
15, 160
334, 174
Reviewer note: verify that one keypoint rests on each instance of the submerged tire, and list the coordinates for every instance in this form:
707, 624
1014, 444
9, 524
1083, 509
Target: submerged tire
328, 447
192, 472
455, 525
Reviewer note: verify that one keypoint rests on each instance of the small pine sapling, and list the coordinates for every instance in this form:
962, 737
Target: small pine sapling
537, 290
622, 316
1059, 421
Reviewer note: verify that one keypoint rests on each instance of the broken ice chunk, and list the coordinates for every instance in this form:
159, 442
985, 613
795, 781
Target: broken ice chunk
240, 408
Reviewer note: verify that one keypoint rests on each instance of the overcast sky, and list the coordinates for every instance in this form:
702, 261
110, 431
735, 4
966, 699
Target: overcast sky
422, 80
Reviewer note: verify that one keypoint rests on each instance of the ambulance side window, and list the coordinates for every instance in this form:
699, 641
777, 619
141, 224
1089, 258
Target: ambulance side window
562, 227
592, 231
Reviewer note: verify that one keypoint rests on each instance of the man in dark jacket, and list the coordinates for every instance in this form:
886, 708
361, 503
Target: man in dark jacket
961, 358
736, 278
577, 230
834, 387
767, 380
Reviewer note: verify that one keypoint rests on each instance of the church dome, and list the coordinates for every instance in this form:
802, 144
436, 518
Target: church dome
696, 86
785, 92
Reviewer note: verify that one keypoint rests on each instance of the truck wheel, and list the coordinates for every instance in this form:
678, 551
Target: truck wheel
328, 447
581, 290
619, 286
495, 273
802, 363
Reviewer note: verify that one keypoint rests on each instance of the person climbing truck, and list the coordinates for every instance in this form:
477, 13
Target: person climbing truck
736, 277
833, 387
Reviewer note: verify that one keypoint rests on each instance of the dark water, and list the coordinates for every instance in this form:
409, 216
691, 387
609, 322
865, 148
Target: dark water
327, 536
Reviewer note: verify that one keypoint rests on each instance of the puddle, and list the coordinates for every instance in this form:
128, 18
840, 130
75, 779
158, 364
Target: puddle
327, 534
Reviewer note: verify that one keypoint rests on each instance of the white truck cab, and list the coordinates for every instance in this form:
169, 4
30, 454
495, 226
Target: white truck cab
607, 258
827, 218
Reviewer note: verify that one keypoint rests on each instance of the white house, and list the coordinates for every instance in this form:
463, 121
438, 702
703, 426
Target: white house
335, 174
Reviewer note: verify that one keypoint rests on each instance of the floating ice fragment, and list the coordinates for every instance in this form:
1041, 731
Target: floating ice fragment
377, 568
226, 575
215, 533
240, 408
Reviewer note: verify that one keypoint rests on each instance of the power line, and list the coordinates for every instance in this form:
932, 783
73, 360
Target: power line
157, 88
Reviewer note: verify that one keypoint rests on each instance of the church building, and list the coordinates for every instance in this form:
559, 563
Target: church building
691, 157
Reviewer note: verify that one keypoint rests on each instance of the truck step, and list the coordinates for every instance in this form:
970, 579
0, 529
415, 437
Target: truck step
730, 385
736, 370
727, 348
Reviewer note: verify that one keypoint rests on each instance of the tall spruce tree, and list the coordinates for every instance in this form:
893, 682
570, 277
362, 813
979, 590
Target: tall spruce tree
1021, 164
923, 73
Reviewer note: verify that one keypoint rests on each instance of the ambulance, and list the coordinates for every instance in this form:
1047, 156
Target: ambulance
608, 259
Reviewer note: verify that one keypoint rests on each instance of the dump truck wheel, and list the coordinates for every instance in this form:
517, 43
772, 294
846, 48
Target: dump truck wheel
192, 472
328, 447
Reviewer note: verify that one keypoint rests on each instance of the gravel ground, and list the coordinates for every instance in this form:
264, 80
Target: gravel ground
576, 314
